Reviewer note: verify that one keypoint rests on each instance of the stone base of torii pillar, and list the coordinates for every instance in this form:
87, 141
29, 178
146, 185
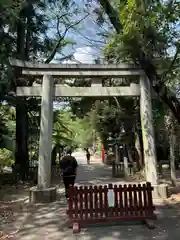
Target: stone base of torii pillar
45, 195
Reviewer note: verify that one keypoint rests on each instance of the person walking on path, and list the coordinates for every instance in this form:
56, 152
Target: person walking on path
68, 167
88, 155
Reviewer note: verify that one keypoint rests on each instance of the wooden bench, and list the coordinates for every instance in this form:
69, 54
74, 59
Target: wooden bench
90, 204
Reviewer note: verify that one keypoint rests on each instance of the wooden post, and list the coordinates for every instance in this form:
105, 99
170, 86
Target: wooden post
45, 142
125, 160
148, 131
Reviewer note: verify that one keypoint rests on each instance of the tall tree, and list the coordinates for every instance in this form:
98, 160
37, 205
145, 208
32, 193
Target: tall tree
27, 36
146, 29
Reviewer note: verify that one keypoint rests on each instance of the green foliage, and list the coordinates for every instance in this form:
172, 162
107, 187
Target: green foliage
37, 30
71, 130
151, 26
10, 8
7, 129
6, 158
146, 32
7, 126
84, 132
62, 129
31, 30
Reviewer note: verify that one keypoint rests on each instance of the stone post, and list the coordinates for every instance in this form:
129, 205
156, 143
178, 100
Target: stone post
45, 141
148, 131
43, 192
125, 160
116, 154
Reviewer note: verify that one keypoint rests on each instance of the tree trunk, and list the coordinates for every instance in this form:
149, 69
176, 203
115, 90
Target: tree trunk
125, 160
22, 156
130, 139
54, 155
139, 151
59, 153
172, 140
130, 157
116, 154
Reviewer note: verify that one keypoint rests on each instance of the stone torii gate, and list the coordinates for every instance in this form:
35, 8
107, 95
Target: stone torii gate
49, 90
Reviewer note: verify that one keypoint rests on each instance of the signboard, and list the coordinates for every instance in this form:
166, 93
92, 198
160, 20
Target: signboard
111, 201
111, 198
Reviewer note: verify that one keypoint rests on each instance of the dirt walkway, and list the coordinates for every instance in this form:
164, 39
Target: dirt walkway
49, 221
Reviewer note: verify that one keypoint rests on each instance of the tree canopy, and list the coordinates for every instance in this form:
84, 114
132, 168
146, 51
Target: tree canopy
146, 30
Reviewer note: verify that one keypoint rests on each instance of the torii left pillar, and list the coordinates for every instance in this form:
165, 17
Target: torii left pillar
43, 192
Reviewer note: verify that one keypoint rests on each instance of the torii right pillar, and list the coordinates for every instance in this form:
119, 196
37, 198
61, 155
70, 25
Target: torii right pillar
149, 147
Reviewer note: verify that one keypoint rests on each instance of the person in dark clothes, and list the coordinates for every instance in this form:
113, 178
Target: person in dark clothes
68, 166
88, 155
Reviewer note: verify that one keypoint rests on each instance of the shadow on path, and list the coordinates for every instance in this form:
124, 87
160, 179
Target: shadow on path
50, 222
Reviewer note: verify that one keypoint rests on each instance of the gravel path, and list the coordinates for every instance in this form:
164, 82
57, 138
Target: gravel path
49, 221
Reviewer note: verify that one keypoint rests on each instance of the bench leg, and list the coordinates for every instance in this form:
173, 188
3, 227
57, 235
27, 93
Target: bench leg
76, 227
149, 223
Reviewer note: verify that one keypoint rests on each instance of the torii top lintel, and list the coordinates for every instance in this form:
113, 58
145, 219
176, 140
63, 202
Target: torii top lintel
77, 70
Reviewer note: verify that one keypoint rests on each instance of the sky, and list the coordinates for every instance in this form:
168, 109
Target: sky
82, 55
88, 43
85, 34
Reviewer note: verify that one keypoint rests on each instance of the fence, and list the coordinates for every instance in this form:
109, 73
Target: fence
91, 204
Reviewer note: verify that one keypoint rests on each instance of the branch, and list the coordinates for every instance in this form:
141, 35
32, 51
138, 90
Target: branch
61, 38
117, 103
171, 66
66, 57
89, 39
112, 14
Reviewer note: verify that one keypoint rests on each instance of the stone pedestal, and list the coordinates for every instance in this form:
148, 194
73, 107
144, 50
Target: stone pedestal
44, 195
160, 191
